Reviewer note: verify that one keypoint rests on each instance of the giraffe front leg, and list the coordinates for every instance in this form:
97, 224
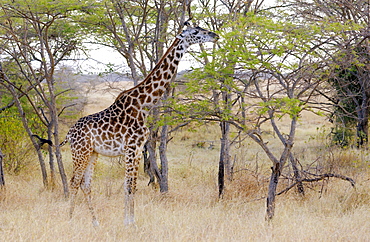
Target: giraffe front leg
131, 173
129, 203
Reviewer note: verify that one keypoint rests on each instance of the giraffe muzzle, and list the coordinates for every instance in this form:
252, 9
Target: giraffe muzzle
214, 36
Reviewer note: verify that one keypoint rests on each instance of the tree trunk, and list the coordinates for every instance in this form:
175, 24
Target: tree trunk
277, 168
278, 165
55, 132
163, 184
146, 162
297, 174
58, 155
221, 178
224, 167
225, 149
363, 107
51, 157
150, 161
274, 179
362, 126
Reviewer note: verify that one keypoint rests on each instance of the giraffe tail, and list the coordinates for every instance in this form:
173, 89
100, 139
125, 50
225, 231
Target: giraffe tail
64, 142
66, 138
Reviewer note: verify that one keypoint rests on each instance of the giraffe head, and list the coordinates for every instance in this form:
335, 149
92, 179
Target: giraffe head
197, 35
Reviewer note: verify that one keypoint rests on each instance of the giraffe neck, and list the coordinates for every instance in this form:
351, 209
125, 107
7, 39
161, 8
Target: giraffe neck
151, 89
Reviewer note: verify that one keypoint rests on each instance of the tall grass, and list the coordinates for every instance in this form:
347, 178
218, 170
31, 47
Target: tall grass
191, 211
330, 211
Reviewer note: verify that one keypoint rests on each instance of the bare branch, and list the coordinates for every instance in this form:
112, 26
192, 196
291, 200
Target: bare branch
319, 178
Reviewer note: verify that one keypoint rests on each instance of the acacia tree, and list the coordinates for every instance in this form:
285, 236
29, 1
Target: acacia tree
270, 68
37, 37
217, 77
347, 22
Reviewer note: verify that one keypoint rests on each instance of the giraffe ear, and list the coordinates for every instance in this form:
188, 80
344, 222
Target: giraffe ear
187, 22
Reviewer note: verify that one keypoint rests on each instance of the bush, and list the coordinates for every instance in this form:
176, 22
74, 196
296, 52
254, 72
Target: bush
14, 143
343, 137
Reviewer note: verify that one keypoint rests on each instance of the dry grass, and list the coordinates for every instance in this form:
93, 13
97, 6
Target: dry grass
191, 211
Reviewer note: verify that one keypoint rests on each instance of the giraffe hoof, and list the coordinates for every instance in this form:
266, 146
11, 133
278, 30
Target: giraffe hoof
128, 222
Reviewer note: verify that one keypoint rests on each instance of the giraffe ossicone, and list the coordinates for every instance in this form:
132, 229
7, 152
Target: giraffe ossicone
120, 130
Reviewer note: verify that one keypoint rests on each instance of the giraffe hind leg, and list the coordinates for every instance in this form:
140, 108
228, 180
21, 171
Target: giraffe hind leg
79, 170
74, 185
86, 186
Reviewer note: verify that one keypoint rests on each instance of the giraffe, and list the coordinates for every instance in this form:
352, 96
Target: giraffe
120, 130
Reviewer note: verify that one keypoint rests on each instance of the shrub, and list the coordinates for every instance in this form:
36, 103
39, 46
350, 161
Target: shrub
14, 143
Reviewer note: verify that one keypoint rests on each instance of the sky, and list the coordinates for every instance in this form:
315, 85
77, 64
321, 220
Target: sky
102, 56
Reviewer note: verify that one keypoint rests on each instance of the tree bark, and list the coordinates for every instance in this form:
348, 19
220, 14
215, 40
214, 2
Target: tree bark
62, 173
150, 161
362, 124
163, 184
225, 149
274, 180
51, 157
221, 178
277, 168
297, 174
224, 167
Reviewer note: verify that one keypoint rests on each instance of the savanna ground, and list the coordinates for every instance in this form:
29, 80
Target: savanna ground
191, 211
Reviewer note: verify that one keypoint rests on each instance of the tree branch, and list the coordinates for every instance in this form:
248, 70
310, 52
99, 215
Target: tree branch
319, 178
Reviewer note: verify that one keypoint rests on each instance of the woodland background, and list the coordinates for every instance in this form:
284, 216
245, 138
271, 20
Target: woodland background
263, 137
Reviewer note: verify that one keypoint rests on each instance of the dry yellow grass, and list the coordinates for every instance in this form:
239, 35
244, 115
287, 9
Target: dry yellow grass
191, 211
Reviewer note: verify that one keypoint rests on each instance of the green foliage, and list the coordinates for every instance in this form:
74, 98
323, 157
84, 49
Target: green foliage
352, 94
58, 7
252, 42
14, 142
342, 136
348, 93
46, 33
282, 106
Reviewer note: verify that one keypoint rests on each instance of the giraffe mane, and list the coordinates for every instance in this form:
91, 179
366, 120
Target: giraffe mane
152, 71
